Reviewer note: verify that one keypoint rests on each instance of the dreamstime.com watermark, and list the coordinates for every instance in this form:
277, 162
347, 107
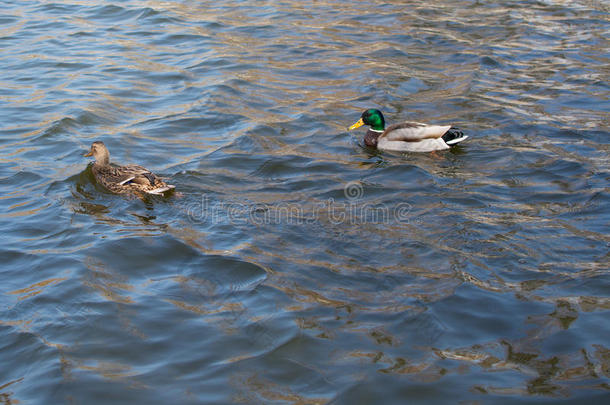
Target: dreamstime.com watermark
353, 210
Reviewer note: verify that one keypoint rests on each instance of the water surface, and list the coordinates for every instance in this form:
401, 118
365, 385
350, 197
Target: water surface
294, 266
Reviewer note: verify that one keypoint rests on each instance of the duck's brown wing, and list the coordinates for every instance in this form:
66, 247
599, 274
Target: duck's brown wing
414, 132
146, 180
112, 174
140, 175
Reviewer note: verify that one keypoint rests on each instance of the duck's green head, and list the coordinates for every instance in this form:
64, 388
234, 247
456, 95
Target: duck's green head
372, 118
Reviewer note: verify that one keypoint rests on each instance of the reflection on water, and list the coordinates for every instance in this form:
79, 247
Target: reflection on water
294, 265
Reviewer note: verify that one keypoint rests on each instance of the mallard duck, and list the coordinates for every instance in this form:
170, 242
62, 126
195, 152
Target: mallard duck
407, 136
124, 179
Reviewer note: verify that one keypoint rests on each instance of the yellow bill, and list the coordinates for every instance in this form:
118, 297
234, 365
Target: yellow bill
90, 153
356, 125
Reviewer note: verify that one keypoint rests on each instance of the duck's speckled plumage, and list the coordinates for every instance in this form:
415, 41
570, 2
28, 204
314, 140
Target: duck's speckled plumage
407, 136
124, 179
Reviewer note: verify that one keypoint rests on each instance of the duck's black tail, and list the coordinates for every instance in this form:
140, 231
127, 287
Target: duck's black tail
454, 136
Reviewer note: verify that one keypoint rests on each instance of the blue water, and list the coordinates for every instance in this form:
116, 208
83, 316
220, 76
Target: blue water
293, 265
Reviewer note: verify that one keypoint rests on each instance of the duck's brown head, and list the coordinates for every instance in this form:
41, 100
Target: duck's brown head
99, 152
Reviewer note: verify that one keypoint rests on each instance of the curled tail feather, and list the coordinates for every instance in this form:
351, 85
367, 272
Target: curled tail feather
453, 136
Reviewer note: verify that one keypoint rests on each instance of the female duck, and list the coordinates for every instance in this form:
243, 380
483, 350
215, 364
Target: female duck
407, 136
124, 179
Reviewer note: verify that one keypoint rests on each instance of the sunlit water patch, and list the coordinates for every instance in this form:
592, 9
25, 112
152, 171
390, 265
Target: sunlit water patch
293, 265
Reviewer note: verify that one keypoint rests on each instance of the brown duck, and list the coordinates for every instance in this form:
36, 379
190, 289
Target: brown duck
124, 179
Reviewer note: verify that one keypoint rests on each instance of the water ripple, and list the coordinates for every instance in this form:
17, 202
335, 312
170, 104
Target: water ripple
294, 265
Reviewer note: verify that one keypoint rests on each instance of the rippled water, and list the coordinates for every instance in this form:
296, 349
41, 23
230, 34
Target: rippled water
294, 266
